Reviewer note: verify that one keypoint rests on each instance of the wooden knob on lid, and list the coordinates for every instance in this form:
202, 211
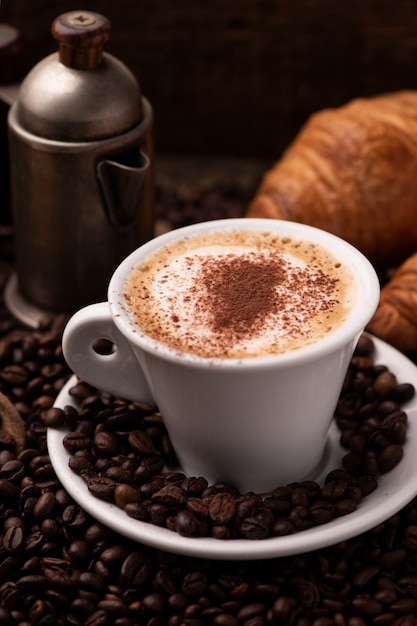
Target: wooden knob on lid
81, 36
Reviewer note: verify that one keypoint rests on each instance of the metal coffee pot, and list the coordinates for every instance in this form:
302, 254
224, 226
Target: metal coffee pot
80, 150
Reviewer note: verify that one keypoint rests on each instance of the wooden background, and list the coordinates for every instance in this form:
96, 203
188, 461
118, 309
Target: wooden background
238, 77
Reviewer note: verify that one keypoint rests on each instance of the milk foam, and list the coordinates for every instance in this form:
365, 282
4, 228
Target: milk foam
176, 295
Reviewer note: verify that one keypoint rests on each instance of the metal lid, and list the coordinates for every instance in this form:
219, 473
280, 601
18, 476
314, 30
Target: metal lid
79, 93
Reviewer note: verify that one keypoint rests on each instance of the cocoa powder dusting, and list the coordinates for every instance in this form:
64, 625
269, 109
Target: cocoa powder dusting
241, 292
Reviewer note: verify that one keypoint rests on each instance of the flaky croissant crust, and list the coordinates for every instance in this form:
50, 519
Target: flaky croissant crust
352, 171
395, 319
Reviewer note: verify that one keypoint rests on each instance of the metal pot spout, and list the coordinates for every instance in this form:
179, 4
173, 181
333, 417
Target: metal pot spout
121, 185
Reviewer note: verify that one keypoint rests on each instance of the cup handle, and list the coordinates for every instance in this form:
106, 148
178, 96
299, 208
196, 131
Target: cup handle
117, 372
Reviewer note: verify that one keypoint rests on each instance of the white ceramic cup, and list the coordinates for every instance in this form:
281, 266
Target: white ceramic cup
255, 423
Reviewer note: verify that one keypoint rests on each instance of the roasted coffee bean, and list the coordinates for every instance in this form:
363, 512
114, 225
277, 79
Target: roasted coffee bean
395, 429
113, 607
187, 524
148, 468
390, 457
251, 610
46, 506
137, 511
53, 417
365, 346
256, 527
14, 375
119, 475
80, 464
10, 596
365, 575
406, 620
321, 512
58, 578
98, 618
45, 476
106, 443
90, 582
158, 514
356, 443
222, 508
348, 405
353, 463
170, 496
44, 401
51, 529
125, 494
141, 442
198, 507
194, 485
334, 490
75, 441
403, 393
80, 391
41, 612
378, 440
387, 407
370, 465
392, 559
195, 584
384, 385
101, 487
123, 420
74, 516
12, 470
299, 517
116, 553
404, 606
135, 569
8, 490
148, 489
366, 607
282, 608
13, 538
277, 506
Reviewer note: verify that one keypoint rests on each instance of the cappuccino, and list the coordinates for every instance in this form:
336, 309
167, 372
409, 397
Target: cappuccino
236, 294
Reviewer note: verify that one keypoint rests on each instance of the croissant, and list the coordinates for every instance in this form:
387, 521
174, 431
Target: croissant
395, 319
352, 171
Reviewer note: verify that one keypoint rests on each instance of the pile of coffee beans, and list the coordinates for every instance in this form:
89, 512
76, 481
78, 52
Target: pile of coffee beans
225, 198
59, 566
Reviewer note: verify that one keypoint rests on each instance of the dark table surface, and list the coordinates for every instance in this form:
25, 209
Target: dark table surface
58, 565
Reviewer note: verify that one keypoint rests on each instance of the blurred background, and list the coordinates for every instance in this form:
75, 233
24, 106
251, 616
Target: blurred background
231, 82
238, 78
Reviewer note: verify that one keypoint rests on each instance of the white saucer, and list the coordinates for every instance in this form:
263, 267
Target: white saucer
395, 489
